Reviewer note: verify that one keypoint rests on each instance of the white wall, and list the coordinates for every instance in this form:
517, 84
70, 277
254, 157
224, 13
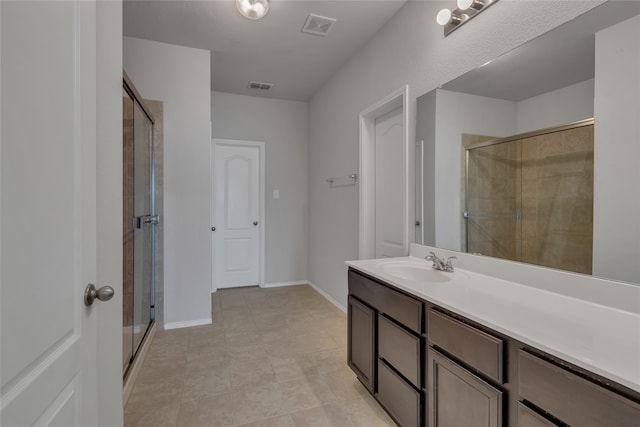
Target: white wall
458, 113
180, 78
409, 49
284, 128
616, 228
565, 105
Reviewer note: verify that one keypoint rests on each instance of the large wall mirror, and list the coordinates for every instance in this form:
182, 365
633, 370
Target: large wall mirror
535, 156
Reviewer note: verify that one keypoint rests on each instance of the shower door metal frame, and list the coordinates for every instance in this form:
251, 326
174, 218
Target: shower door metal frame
153, 219
568, 126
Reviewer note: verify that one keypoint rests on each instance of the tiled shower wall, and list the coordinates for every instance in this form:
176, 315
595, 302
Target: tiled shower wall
493, 198
549, 179
557, 200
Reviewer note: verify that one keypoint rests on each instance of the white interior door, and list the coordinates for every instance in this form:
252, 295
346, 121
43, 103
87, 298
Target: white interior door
389, 176
48, 219
237, 215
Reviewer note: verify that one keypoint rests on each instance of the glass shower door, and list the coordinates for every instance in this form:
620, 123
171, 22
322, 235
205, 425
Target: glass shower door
142, 223
138, 226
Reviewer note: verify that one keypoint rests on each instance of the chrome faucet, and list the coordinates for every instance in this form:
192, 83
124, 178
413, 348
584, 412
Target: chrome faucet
440, 264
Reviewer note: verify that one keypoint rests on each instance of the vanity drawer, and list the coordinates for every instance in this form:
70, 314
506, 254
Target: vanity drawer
529, 418
571, 398
400, 348
398, 397
404, 309
472, 346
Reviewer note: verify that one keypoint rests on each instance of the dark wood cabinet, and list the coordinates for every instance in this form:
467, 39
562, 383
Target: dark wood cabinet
527, 417
472, 346
430, 366
459, 398
402, 401
385, 346
401, 349
361, 345
569, 397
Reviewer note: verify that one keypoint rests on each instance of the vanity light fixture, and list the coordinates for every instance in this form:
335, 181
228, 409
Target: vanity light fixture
253, 9
467, 9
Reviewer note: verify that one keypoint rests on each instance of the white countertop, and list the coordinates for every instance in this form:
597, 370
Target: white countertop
602, 339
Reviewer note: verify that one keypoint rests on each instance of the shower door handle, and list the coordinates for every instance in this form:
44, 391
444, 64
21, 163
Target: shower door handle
141, 221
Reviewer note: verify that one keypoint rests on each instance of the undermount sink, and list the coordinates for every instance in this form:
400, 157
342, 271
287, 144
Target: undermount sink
414, 272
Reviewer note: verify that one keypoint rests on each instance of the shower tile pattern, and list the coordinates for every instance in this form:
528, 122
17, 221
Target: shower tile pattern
549, 178
557, 200
493, 198
272, 357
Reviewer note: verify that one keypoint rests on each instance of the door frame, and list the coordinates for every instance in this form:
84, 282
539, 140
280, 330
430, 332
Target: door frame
261, 206
367, 204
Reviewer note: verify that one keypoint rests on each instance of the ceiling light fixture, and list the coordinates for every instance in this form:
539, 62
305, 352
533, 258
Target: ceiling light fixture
253, 9
467, 9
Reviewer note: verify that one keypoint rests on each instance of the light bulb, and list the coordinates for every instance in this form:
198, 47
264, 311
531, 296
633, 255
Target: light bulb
443, 17
465, 4
258, 9
253, 9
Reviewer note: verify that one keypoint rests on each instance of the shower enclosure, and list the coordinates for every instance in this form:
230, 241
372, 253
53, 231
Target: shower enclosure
529, 197
139, 223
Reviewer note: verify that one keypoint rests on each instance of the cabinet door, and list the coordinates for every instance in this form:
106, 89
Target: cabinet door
459, 398
528, 418
361, 342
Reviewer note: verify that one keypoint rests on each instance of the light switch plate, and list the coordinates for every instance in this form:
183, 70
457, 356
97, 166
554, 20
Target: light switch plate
276, 194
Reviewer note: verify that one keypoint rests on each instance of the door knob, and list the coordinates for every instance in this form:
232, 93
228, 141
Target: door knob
105, 293
213, 229
255, 222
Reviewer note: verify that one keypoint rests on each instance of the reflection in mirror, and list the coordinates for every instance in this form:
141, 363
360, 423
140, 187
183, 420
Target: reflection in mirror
533, 156
529, 197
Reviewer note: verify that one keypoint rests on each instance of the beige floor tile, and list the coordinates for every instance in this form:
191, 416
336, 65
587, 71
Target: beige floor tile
308, 392
284, 421
160, 416
366, 412
314, 342
289, 368
256, 403
344, 385
273, 357
330, 360
232, 301
251, 374
167, 350
154, 395
212, 412
212, 361
208, 332
150, 374
205, 384
331, 415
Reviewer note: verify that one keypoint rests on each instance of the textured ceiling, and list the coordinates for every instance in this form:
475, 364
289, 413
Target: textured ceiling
270, 50
559, 58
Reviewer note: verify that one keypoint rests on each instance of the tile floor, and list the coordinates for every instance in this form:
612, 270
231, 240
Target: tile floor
272, 357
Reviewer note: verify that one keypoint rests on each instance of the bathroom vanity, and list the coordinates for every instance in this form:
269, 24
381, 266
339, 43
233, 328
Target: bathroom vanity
469, 349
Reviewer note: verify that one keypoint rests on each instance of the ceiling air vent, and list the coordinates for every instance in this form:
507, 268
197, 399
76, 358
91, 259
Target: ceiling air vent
317, 25
260, 85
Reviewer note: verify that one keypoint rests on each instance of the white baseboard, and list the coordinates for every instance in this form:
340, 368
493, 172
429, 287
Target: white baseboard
328, 297
186, 324
280, 284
